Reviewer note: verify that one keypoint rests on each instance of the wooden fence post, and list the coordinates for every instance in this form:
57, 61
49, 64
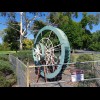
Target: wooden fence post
16, 71
27, 75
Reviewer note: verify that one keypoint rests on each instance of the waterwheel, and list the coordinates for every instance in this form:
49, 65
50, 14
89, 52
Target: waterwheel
51, 49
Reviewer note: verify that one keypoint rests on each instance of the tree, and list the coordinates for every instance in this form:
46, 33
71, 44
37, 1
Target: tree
89, 20
12, 36
4, 46
24, 16
71, 28
58, 18
36, 26
27, 44
79, 36
2, 33
63, 21
95, 43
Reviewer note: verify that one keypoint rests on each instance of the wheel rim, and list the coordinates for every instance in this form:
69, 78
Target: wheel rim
64, 45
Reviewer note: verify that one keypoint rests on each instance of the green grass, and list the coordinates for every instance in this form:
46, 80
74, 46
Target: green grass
7, 52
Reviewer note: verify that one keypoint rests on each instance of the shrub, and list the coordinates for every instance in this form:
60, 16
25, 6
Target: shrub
7, 76
5, 67
72, 58
24, 55
3, 82
7, 82
4, 57
4, 47
87, 67
84, 57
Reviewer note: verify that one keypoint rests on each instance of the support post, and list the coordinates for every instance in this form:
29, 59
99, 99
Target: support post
16, 71
27, 75
38, 75
45, 74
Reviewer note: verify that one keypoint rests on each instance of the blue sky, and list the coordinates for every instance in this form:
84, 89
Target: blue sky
95, 28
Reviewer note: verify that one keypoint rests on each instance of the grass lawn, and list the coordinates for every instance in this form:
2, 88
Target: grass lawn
7, 52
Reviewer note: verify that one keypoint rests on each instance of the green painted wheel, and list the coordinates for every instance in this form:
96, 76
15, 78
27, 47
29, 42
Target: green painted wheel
51, 46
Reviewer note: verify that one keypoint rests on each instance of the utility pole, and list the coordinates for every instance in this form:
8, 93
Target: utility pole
21, 33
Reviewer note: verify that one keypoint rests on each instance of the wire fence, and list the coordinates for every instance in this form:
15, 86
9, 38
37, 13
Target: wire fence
91, 72
27, 74
20, 70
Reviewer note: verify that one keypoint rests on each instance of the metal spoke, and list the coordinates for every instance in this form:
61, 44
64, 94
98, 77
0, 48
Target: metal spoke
47, 43
41, 34
50, 57
50, 34
43, 41
57, 45
50, 45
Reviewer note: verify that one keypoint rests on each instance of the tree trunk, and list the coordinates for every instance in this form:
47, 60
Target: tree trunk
21, 44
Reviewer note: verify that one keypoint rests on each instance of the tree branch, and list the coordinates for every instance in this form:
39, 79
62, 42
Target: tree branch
29, 24
10, 26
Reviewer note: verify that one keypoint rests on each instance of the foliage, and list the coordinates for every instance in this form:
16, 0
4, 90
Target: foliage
25, 23
84, 57
4, 82
7, 76
5, 67
60, 18
78, 34
27, 44
95, 46
4, 46
86, 38
74, 33
87, 67
36, 26
4, 57
10, 15
95, 43
89, 20
25, 56
1, 47
12, 36
72, 58
7, 52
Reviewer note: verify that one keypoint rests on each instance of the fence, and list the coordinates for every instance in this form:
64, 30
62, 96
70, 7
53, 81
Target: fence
26, 74
21, 71
91, 76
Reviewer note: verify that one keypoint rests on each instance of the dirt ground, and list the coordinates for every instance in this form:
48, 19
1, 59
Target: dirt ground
66, 76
